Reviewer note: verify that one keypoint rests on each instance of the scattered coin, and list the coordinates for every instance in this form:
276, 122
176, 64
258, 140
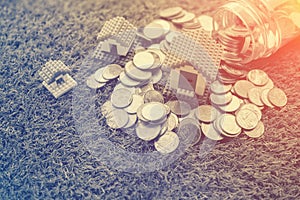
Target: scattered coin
254, 95
132, 118
257, 131
206, 113
127, 81
136, 74
117, 118
186, 18
154, 111
99, 75
258, 77
221, 99
167, 143
143, 60
220, 88
157, 76
112, 71
233, 106
247, 119
170, 12
264, 98
253, 108
121, 98
106, 108
277, 97
153, 96
229, 125
206, 22
179, 108
172, 122
154, 30
242, 87
147, 131
210, 132
136, 102
92, 83
164, 24
189, 131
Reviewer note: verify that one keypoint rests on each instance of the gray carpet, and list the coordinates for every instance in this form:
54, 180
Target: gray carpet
43, 157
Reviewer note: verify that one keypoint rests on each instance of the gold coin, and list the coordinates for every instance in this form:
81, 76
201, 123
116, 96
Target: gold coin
264, 98
206, 113
220, 88
210, 132
153, 96
229, 125
254, 95
242, 87
277, 97
186, 18
143, 60
179, 108
257, 131
246, 119
254, 108
233, 106
258, 77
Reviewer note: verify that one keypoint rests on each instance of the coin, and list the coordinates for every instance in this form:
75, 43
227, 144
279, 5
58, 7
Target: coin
153, 96
120, 85
154, 111
247, 119
145, 88
229, 125
254, 95
106, 108
264, 98
242, 87
254, 108
186, 18
221, 99
112, 71
277, 97
167, 143
206, 22
153, 31
170, 36
121, 98
295, 16
220, 88
233, 106
179, 108
156, 77
139, 114
206, 113
132, 118
92, 83
217, 125
143, 60
257, 131
189, 131
99, 75
164, 128
127, 81
136, 102
210, 132
164, 24
172, 121
147, 131
258, 77
135, 73
170, 12
117, 118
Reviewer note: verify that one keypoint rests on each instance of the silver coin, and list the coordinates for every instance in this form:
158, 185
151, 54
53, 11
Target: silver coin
153, 31
154, 111
132, 119
167, 143
143, 60
121, 98
220, 88
179, 108
117, 118
221, 99
127, 81
233, 106
153, 96
147, 131
189, 131
92, 83
156, 76
164, 24
136, 102
99, 75
135, 73
112, 71
206, 113
173, 122
106, 108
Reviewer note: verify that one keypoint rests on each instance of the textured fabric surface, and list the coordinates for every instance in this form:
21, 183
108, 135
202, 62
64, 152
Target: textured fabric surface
42, 156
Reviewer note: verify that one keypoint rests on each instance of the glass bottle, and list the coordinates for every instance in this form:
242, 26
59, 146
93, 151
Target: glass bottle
252, 29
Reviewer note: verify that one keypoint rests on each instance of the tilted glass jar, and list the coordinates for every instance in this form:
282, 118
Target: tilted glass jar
252, 29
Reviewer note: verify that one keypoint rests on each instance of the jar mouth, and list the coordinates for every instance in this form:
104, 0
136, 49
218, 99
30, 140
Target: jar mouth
244, 24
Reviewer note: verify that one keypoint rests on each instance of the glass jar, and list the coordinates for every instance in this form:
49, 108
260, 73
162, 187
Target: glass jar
252, 29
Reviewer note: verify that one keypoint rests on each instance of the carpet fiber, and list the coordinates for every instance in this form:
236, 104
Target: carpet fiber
42, 156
